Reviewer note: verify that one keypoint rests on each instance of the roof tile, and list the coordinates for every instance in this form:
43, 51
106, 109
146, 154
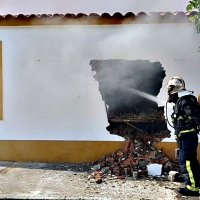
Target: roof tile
94, 18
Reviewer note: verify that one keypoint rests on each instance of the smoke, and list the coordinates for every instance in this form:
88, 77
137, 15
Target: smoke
117, 78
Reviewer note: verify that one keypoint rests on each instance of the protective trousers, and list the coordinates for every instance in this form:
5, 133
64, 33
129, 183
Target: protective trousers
189, 166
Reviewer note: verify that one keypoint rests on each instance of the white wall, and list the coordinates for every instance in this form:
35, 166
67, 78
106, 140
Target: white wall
90, 6
48, 87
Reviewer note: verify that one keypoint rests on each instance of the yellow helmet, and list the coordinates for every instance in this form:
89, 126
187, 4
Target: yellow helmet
175, 84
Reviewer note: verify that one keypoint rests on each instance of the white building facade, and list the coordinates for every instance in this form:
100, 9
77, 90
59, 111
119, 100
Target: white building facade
49, 93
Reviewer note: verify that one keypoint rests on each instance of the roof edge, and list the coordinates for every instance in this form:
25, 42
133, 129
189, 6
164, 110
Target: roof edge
95, 19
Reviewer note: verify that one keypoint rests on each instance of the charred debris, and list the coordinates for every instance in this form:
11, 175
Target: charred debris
139, 120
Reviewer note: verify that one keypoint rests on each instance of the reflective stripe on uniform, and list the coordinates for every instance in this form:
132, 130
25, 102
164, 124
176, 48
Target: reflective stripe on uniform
192, 188
185, 117
180, 118
188, 131
191, 177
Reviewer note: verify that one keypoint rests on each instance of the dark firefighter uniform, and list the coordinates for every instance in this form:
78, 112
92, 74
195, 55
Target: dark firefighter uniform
185, 121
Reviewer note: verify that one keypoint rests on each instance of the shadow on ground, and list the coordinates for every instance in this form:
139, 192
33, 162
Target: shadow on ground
62, 166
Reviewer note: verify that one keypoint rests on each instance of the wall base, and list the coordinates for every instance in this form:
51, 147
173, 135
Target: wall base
56, 151
68, 151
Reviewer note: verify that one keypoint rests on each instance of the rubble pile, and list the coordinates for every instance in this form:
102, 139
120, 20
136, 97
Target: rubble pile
131, 161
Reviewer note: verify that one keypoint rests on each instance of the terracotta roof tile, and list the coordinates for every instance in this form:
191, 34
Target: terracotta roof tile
94, 18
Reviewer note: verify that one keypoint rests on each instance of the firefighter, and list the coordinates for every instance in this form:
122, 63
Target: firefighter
186, 127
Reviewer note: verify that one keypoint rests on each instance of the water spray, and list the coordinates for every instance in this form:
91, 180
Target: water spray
151, 97
155, 99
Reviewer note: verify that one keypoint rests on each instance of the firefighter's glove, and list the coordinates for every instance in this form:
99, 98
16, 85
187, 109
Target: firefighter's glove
173, 118
176, 137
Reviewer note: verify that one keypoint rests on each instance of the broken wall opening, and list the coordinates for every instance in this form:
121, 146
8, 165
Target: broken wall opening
130, 114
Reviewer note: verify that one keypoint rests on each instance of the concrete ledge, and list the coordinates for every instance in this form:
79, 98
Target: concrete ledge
67, 151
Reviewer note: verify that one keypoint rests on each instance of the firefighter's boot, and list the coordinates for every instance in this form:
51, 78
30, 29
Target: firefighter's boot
186, 192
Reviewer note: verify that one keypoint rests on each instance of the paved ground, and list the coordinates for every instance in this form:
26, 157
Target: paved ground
33, 180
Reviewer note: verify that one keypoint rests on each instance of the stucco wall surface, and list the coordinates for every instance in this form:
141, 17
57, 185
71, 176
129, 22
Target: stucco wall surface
49, 92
